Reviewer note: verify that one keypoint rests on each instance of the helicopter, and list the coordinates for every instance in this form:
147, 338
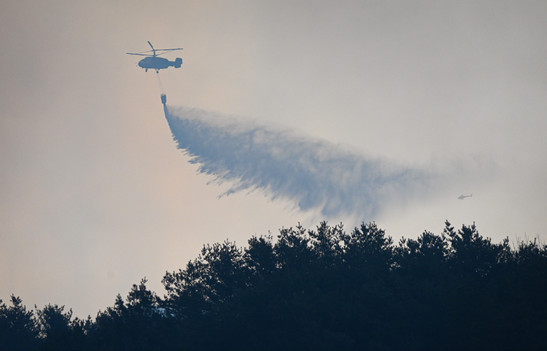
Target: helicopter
154, 61
463, 196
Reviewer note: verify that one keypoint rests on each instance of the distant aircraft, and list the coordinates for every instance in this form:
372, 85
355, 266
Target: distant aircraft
463, 196
155, 62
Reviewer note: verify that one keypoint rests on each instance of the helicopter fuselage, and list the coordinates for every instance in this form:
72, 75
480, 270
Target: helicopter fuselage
157, 63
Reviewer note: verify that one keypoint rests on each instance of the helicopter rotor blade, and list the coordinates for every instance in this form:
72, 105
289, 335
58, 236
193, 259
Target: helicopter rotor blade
141, 52
169, 49
153, 50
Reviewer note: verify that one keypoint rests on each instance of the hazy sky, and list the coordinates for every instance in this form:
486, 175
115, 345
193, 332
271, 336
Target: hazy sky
95, 195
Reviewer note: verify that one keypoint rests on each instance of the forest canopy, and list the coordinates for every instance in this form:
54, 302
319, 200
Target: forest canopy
321, 288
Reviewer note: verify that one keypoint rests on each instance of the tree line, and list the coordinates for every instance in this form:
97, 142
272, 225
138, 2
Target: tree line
318, 289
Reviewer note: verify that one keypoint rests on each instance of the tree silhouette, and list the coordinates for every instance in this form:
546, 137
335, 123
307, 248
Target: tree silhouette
18, 330
58, 330
319, 289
